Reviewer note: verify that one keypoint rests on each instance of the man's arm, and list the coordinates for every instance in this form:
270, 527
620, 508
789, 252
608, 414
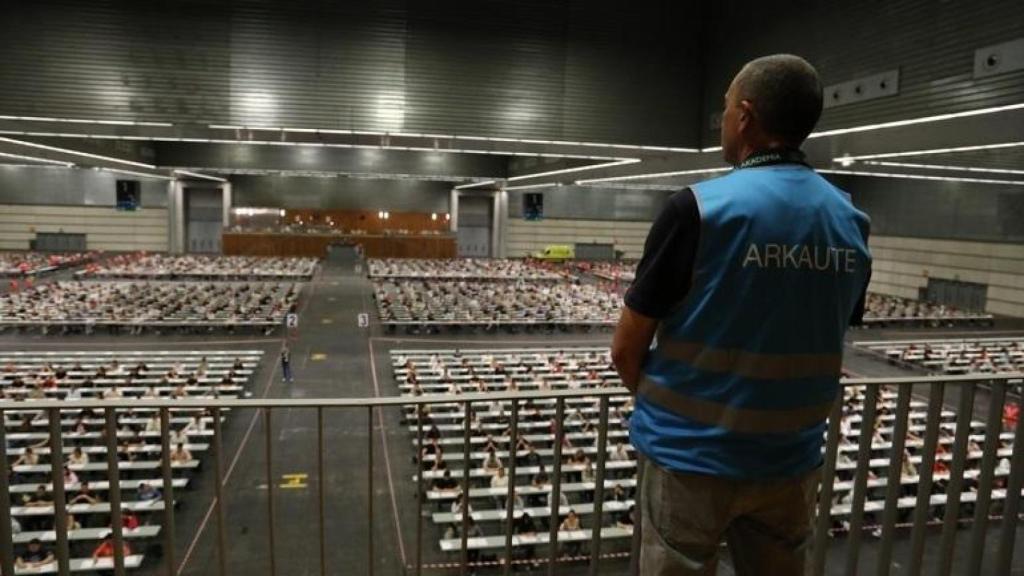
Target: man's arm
663, 278
633, 337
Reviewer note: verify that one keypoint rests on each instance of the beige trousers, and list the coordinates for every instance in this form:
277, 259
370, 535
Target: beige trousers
684, 518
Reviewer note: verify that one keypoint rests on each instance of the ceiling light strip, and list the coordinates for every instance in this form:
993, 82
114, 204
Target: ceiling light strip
76, 152
133, 173
531, 186
944, 167
37, 159
474, 184
921, 177
458, 137
655, 175
84, 121
973, 148
576, 169
920, 120
198, 175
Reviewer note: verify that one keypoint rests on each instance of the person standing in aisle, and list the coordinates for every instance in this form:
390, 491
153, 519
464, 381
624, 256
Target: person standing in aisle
750, 281
286, 364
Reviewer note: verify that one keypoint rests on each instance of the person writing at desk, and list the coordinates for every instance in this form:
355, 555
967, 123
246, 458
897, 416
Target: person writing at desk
750, 281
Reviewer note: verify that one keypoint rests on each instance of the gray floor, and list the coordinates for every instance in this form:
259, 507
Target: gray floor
334, 358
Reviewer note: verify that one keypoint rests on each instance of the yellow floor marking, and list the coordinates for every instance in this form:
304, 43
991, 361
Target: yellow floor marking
327, 321
318, 356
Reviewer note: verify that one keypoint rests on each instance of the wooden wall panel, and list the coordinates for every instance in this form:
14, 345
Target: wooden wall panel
253, 244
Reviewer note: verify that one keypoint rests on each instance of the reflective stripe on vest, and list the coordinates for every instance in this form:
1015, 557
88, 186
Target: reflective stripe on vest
752, 364
746, 420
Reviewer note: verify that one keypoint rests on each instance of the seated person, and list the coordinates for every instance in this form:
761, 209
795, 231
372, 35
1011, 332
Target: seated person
35, 556
147, 492
180, 455
105, 549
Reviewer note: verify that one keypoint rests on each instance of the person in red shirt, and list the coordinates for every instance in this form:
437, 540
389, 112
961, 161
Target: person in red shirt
106, 548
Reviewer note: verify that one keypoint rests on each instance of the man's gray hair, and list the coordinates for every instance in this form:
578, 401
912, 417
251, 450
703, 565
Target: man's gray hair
785, 92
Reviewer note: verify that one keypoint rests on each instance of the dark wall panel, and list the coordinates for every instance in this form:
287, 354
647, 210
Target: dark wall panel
569, 69
340, 193
932, 42
72, 187
585, 203
936, 209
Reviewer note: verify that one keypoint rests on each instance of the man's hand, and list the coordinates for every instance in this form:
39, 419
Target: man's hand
633, 337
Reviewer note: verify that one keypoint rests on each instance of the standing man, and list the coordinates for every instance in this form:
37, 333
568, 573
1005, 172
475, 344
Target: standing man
750, 281
286, 364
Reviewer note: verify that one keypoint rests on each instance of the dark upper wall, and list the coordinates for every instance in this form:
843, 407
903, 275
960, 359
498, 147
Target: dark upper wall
72, 187
932, 42
587, 203
570, 69
936, 209
340, 193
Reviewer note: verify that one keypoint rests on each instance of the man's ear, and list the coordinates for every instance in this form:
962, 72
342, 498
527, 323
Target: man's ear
746, 115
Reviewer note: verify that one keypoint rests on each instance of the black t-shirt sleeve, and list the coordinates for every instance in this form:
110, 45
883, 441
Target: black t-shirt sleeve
857, 319
665, 271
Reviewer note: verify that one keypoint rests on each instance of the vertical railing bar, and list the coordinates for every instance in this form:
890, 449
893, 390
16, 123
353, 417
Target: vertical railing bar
602, 453
268, 452
893, 480
321, 487
937, 391
556, 486
636, 540
6, 538
867, 426
511, 492
420, 492
467, 465
168, 491
825, 496
1011, 507
218, 496
990, 450
114, 478
60, 510
956, 479
370, 558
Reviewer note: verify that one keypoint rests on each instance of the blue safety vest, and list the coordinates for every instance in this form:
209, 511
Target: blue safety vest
743, 373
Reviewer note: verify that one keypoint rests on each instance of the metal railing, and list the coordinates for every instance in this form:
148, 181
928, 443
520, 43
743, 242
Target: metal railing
936, 391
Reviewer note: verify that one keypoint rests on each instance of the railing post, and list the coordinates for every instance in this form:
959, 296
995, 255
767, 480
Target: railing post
950, 522
1011, 508
60, 511
990, 450
420, 492
114, 477
511, 492
218, 496
602, 454
268, 453
556, 486
168, 492
321, 487
467, 464
867, 426
6, 538
893, 480
370, 557
824, 518
924, 481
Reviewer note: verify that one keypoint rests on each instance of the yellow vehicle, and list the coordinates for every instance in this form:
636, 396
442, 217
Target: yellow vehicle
556, 253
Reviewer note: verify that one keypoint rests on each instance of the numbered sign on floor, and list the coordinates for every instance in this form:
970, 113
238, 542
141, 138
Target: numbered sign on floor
363, 319
291, 320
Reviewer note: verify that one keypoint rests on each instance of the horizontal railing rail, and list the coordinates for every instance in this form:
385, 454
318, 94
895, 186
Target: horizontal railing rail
1009, 492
